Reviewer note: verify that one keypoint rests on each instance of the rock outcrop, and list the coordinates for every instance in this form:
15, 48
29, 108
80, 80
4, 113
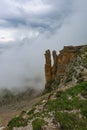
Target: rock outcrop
54, 67
48, 71
60, 63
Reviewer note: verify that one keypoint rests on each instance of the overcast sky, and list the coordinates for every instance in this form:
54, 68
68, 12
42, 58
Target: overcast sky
28, 28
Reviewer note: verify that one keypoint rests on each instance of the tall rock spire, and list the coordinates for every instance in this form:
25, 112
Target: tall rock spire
54, 68
48, 71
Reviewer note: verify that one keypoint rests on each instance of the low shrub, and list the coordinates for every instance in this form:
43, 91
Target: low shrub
17, 122
38, 123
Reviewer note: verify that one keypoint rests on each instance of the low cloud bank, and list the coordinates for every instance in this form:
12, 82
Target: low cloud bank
59, 23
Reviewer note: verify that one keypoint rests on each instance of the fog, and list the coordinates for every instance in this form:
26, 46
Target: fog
26, 37
19, 67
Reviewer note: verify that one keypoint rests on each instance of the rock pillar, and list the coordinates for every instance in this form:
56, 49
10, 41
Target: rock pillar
48, 72
54, 68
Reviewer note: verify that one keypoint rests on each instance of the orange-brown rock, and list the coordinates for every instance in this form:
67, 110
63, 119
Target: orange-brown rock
48, 71
64, 59
60, 62
54, 67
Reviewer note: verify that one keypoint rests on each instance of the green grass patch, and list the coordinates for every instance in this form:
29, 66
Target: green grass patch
77, 89
84, 93
38, 123
71, 121
64, 103
84, 108
17, 122
31, 111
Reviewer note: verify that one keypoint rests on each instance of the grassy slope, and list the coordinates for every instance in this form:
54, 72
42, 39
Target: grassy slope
69, 109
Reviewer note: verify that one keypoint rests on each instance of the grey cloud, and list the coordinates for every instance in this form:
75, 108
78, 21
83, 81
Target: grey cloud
22, 62
49, 21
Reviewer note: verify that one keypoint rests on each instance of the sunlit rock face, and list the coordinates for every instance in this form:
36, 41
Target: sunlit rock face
60, 62
48, 69
54, 67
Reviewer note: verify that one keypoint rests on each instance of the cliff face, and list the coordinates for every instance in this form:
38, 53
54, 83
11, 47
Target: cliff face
60, 63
